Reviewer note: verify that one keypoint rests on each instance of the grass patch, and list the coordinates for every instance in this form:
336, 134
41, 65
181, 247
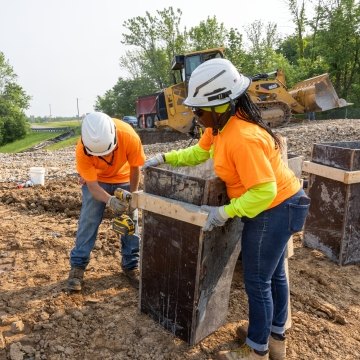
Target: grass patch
63, 144
34, 138
55, 124
30, 140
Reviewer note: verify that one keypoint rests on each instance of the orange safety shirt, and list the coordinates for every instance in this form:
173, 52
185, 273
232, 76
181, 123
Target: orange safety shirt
244, 156
116, 169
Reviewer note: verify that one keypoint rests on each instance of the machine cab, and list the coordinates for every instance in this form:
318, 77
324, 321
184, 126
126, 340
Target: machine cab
184, 65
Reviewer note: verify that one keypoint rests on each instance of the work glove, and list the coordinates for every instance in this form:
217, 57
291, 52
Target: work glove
217, 216
116, 205
154, 161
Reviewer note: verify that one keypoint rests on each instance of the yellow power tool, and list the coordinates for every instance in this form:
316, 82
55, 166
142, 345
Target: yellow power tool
123, 224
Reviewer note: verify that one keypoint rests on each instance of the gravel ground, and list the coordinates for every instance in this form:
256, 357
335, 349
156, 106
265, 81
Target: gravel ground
300, 139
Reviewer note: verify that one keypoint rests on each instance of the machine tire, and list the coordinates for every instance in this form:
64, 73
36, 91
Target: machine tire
149, 121
141, 125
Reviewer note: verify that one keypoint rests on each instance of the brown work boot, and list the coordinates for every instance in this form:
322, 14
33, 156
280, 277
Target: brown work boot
133, 275
277, 349
75, 280
245, 352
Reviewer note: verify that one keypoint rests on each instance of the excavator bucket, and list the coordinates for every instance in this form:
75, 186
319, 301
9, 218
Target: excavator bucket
317, 94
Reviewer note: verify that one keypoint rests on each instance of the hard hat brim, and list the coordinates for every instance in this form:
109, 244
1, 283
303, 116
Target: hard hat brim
102, 153
204, 101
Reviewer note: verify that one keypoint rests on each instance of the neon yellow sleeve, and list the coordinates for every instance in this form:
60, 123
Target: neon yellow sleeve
253, 202
190, 156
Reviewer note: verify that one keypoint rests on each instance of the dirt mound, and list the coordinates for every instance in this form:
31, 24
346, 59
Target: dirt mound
54, 197
40, 320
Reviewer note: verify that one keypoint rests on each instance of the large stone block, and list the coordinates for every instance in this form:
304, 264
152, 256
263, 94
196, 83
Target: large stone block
187, 273
333, 223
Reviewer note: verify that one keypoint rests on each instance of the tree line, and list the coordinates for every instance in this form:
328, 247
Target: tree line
13, 102
328, 42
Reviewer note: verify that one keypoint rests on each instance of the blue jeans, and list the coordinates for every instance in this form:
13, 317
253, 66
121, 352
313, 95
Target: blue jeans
91, 215
264, 241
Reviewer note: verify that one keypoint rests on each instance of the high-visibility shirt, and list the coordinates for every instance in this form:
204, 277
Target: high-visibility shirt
244, 156
115, 167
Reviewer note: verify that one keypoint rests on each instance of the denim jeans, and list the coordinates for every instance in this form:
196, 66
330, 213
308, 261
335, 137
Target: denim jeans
264, 241
91, 215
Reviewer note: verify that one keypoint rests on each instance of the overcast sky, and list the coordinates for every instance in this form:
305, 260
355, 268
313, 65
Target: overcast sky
64, 50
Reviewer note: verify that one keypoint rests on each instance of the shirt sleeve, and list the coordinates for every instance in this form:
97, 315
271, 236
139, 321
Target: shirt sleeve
206, 139
253, 202
84, 165
190, 156
135, 152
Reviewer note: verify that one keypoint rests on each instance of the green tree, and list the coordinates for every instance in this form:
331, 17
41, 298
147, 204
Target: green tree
332, 45
154, 40
121, 99
338, 43
208, 34
262, 55
157, 39
288, 47
234, 50
13, 102
299, 18
212, 34
308, 68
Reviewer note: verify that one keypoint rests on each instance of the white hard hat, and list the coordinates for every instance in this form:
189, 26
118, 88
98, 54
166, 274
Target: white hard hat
98, 134
215, 82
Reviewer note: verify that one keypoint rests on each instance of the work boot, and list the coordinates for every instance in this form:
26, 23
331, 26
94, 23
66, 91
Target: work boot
75, 279
133, 275
277, 348
245, 352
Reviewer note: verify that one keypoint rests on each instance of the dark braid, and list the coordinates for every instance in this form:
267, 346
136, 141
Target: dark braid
250, 112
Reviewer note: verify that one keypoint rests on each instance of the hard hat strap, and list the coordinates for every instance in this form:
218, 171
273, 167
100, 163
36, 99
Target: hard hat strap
220, 121
108, 162
232, 107
215, 128
84, 148
221, 96
100, 157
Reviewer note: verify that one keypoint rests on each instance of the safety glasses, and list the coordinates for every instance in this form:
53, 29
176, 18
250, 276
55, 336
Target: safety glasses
218, 109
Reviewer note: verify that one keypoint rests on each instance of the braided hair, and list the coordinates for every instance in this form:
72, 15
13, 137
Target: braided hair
250, 112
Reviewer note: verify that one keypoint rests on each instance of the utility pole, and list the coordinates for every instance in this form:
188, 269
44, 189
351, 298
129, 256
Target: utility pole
50, 110
77, 105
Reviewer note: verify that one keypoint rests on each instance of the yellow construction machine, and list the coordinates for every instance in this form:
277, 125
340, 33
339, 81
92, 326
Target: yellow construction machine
277, 103
165, 108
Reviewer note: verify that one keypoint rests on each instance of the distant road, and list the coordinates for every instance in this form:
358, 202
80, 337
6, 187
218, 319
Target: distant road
49, 129
56, 139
